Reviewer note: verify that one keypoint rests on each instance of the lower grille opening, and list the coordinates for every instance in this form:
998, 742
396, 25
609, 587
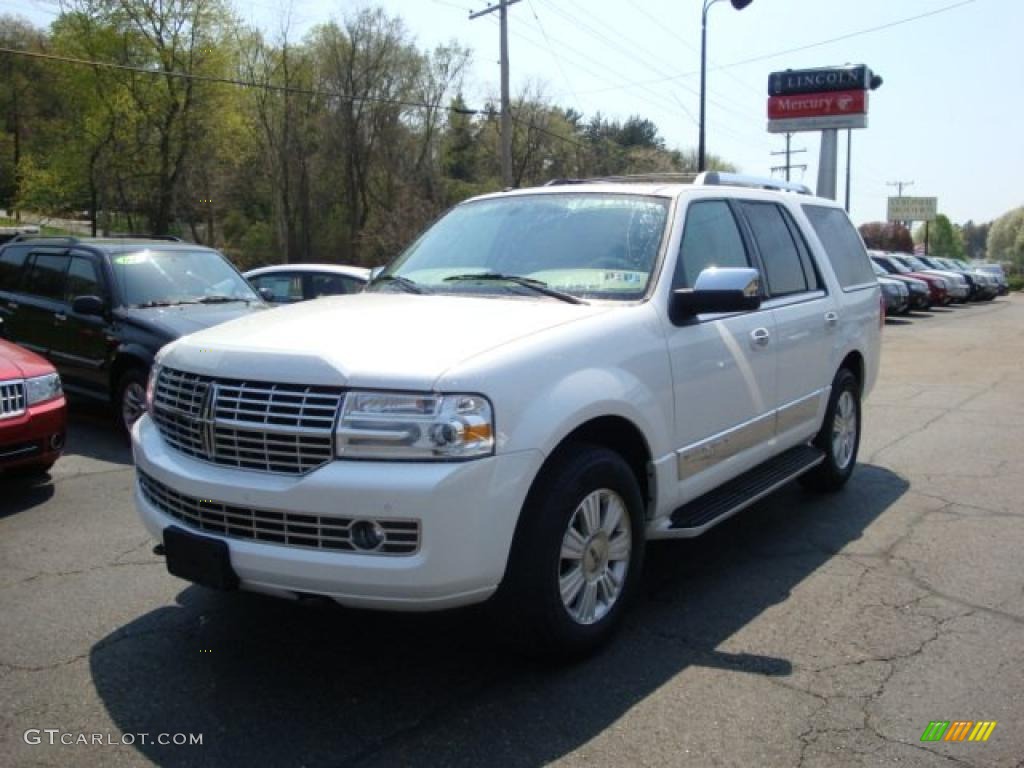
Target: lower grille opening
400, 537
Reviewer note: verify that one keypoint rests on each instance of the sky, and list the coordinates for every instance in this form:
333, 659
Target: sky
949, 117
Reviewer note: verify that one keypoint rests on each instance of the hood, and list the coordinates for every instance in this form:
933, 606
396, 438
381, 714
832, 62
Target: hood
385, 340
18, 363
183, 319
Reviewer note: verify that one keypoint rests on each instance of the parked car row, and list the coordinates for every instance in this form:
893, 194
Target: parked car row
912, 282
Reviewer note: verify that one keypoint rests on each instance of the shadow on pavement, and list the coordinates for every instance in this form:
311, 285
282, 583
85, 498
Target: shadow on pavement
898, 321
269, 682
94, 433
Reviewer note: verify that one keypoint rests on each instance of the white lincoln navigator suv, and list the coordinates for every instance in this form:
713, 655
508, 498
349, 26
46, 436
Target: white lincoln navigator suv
543, 381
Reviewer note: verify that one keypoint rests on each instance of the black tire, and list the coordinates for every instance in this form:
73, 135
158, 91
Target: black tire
835, 470
529, 604
131, 383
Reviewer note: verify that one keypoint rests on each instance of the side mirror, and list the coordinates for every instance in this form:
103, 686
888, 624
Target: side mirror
266, 294
374, 272
89, 305
728, 289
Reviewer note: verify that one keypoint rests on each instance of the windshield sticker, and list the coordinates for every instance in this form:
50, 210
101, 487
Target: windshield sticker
131, 258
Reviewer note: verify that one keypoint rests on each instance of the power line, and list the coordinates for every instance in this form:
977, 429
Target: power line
765, 56
230, 81
551, 48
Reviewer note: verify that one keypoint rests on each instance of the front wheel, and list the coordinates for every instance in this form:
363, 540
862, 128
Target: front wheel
839, 437
131, 397
577, 553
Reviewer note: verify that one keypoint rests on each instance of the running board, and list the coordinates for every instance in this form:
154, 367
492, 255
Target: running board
726, 500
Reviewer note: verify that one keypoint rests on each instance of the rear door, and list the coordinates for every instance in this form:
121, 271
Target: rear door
37, 322
83, 349
805, 317
12, 266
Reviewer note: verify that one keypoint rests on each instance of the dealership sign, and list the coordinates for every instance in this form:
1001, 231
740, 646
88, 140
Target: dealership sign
818, 99
912, 208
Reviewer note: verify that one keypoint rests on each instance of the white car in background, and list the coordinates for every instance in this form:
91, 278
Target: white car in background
290, 283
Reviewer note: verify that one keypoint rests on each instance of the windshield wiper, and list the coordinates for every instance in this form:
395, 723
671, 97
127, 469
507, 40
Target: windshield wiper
409, 286
158, 303
219, 299
539, 286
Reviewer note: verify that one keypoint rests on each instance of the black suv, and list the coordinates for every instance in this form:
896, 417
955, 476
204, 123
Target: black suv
100, 309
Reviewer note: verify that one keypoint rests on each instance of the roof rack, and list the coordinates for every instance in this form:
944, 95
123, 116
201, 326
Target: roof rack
169, 238
707, 178
718, 178
70, 239
668, 177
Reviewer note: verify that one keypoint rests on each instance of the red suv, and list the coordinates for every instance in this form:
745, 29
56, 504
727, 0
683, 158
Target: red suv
32, 411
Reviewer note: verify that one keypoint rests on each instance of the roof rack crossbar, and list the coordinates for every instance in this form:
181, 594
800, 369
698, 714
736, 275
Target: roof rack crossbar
70, 239
718, 178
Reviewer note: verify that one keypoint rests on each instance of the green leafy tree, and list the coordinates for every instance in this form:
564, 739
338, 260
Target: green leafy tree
1006, 238
944, 239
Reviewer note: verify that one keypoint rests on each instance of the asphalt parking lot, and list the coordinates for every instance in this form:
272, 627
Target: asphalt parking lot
807, 631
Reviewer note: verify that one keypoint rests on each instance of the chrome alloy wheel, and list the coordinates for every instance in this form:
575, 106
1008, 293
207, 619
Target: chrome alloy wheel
133, 403
844, 430
595, 556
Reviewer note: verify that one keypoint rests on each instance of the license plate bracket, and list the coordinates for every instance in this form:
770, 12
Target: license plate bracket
199, 559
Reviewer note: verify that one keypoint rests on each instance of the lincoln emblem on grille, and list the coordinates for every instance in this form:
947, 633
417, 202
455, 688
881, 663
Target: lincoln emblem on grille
208, 421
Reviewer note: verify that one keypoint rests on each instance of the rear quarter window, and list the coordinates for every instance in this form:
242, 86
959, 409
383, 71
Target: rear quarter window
843, 245
12, 259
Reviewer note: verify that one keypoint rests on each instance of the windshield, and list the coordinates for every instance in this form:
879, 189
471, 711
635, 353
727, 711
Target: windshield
601, 246
154, 276
915, 263
896, 265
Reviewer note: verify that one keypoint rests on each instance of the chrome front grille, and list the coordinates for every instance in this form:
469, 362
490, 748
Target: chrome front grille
283, 428
12, 399
401, 537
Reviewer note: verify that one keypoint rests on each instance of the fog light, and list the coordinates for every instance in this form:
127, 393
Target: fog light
367, 534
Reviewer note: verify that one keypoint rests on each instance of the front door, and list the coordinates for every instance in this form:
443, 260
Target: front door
83, 349
723, 366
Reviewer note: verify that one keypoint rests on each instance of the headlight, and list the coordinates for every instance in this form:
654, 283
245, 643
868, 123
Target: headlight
154, 371
43, 388
394, 425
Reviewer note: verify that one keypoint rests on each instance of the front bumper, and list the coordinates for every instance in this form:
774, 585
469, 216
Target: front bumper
35, 438
467, 513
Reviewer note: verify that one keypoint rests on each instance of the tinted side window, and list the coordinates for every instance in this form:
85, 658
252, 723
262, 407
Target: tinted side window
83, 279
843, 245
285, 287
331, 285
710, 239
11, 261
46, 275
806, 260
785, 273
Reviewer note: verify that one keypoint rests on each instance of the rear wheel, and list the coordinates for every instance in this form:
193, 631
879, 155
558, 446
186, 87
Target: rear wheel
839, 437
577, 553
131, 397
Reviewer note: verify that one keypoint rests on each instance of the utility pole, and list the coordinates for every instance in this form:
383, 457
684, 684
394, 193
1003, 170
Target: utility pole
899, 186
506, 114
899, 190
788, 152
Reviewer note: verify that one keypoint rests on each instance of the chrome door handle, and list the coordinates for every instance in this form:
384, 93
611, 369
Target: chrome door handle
60, 317
760, 337
831, 318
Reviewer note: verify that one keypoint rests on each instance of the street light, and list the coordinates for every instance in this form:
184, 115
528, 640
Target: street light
739, 5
